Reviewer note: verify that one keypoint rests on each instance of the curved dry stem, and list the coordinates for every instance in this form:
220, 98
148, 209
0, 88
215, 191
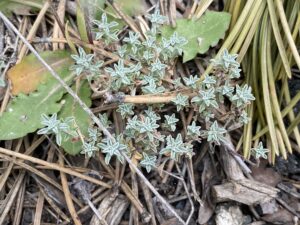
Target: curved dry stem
157, 98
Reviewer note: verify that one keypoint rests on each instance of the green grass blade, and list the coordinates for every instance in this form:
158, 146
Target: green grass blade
265, 85
287, 32
274, 99
278, 38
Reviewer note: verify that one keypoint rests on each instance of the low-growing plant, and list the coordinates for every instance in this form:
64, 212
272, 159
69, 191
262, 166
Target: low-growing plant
145, 68
148, 129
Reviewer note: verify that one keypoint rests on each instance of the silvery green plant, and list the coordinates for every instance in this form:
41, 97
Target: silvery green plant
193, 130
93, 134
62, 129
133, 41
125, 109
106, 30
84, 64
120, 75
104, 120
177, 83
143, 68
170, 122
112, 148
152, 88
260, 151
218, 86
226, 61
156, 20
2, 66
143, 130
244, 117
180, 101
215, 134
146, 125
176, 147
243, 96
209, 81
152, 114
225, 90
191, 81
205, 99
148, 162
89, 149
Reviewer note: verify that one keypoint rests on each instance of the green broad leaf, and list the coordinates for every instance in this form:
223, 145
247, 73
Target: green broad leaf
20, 7
129, 7
201, 34
82, 26
94, 7
82, 119
23, 113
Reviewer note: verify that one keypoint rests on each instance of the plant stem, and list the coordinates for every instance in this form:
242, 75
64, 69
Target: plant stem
160, 98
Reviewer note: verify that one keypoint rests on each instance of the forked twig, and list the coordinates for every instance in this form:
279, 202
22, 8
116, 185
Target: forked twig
90, 113
67, 194
188, 194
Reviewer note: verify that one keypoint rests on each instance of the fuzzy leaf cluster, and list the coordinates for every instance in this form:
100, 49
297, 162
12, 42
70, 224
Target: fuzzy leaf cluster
176, 147
62, 129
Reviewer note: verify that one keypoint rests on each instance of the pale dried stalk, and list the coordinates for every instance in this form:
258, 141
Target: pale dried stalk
157, 98
67, 194
127, 19
19, 205
11, 196
34, 28
202, 7
53, 166
5, 175
52, 204
57, 33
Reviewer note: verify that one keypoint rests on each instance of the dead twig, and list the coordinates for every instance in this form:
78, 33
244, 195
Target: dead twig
157, 98
19, 204
289, 208
57, 210
129, 193
67, 194
10, 198
54, 166
40, 174
39, 209
5, 175
58, 28
34, 28
188, 195
126, 18
149, 202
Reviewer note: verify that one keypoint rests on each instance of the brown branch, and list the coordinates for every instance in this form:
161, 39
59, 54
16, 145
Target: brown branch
157, 98
54, 166
67, 194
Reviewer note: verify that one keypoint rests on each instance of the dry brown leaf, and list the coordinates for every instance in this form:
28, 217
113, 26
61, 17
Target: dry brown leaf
27, 75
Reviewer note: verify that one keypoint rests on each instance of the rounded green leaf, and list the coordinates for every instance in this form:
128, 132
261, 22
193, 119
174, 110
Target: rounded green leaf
82, 119
201, 34
23, 113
